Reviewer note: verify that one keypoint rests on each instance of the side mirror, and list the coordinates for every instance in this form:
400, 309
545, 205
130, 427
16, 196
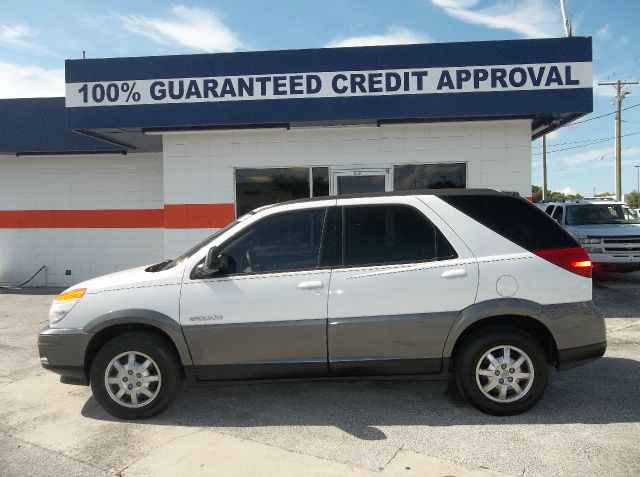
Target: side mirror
211, 264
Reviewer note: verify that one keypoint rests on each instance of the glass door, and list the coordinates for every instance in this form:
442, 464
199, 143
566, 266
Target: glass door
360, 180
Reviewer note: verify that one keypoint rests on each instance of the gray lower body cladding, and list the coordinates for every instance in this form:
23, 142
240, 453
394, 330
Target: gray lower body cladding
574, 324
360, 346
258, 350
379, 345
63, 352
579, 331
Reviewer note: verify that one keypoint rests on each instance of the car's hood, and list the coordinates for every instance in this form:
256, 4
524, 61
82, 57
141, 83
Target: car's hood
605, 230
132, 278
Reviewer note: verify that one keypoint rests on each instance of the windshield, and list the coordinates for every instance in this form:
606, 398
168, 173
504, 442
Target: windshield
598, 214
172, 263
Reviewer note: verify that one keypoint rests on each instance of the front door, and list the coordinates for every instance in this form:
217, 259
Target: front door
360, 180
264, 315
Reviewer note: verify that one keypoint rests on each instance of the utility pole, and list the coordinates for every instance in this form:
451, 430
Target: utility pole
544, 167
620, 95
565, 18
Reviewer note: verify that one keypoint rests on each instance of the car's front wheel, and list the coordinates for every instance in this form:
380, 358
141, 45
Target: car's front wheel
501, 370
135, 375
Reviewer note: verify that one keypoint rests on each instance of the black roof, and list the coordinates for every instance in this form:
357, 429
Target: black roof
436, 192
39, 126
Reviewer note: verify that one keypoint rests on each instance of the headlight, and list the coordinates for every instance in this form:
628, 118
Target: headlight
594, 249
586, 241
63, 303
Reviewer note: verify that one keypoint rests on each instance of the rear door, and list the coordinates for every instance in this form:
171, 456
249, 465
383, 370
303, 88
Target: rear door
401, 278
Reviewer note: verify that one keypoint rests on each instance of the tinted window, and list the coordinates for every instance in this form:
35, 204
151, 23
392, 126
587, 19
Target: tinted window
549, 209
360, 184
258, 187
430, 176
320, 181
378, 234
515, 219
283, 242
557, 214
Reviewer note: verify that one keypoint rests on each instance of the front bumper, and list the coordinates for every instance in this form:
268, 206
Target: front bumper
622, 261
63, 351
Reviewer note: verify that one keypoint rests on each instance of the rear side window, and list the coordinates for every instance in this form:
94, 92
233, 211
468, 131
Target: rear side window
515, 219
385, 234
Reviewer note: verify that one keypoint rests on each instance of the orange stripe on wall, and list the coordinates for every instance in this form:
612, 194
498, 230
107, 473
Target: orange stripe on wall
196, 216
177, 216
80, 219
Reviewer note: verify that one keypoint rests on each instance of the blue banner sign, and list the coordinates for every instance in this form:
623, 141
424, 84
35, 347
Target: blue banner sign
521, 78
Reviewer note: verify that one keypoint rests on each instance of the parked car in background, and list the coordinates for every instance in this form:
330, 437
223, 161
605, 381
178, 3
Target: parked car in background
608, 230
477, 283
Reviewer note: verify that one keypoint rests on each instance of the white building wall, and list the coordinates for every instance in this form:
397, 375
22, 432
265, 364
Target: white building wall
33, 186
199, 166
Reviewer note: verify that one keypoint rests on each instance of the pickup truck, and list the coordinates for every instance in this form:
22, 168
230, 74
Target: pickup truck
608, 230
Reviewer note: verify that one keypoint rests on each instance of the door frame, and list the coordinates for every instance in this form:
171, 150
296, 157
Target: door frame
359, 171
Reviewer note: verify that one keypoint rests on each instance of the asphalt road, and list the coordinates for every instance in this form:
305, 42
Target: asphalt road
588, 423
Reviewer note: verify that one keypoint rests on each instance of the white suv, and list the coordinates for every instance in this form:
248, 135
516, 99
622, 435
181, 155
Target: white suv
608, 230
478, 283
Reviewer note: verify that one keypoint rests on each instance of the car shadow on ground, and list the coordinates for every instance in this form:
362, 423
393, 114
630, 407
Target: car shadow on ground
603, 392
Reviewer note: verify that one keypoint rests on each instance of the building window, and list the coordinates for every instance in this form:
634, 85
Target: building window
430, 176
258, 187
320, 181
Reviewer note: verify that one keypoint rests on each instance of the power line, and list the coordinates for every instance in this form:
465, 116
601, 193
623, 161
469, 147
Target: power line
575, 142
601, 116
586, 140
598, 141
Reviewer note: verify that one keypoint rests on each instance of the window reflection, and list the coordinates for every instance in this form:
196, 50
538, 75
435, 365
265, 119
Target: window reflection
258, 187
430, 176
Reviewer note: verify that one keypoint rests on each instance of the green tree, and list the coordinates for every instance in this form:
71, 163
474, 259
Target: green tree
536, 192
634, 200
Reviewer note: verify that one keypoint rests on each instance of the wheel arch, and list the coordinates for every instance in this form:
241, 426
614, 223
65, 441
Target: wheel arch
112, 324
517, 313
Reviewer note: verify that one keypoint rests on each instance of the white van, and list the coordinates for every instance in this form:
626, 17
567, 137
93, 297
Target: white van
475, 282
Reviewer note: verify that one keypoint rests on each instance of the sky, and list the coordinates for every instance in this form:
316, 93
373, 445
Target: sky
37, 36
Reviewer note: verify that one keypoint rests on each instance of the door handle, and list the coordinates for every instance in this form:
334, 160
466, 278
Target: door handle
310, 285
459, 272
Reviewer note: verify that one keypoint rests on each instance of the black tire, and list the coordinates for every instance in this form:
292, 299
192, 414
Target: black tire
166, 365
476, 346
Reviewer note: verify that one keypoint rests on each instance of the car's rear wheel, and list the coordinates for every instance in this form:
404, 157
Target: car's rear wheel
135, 375
501, 370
